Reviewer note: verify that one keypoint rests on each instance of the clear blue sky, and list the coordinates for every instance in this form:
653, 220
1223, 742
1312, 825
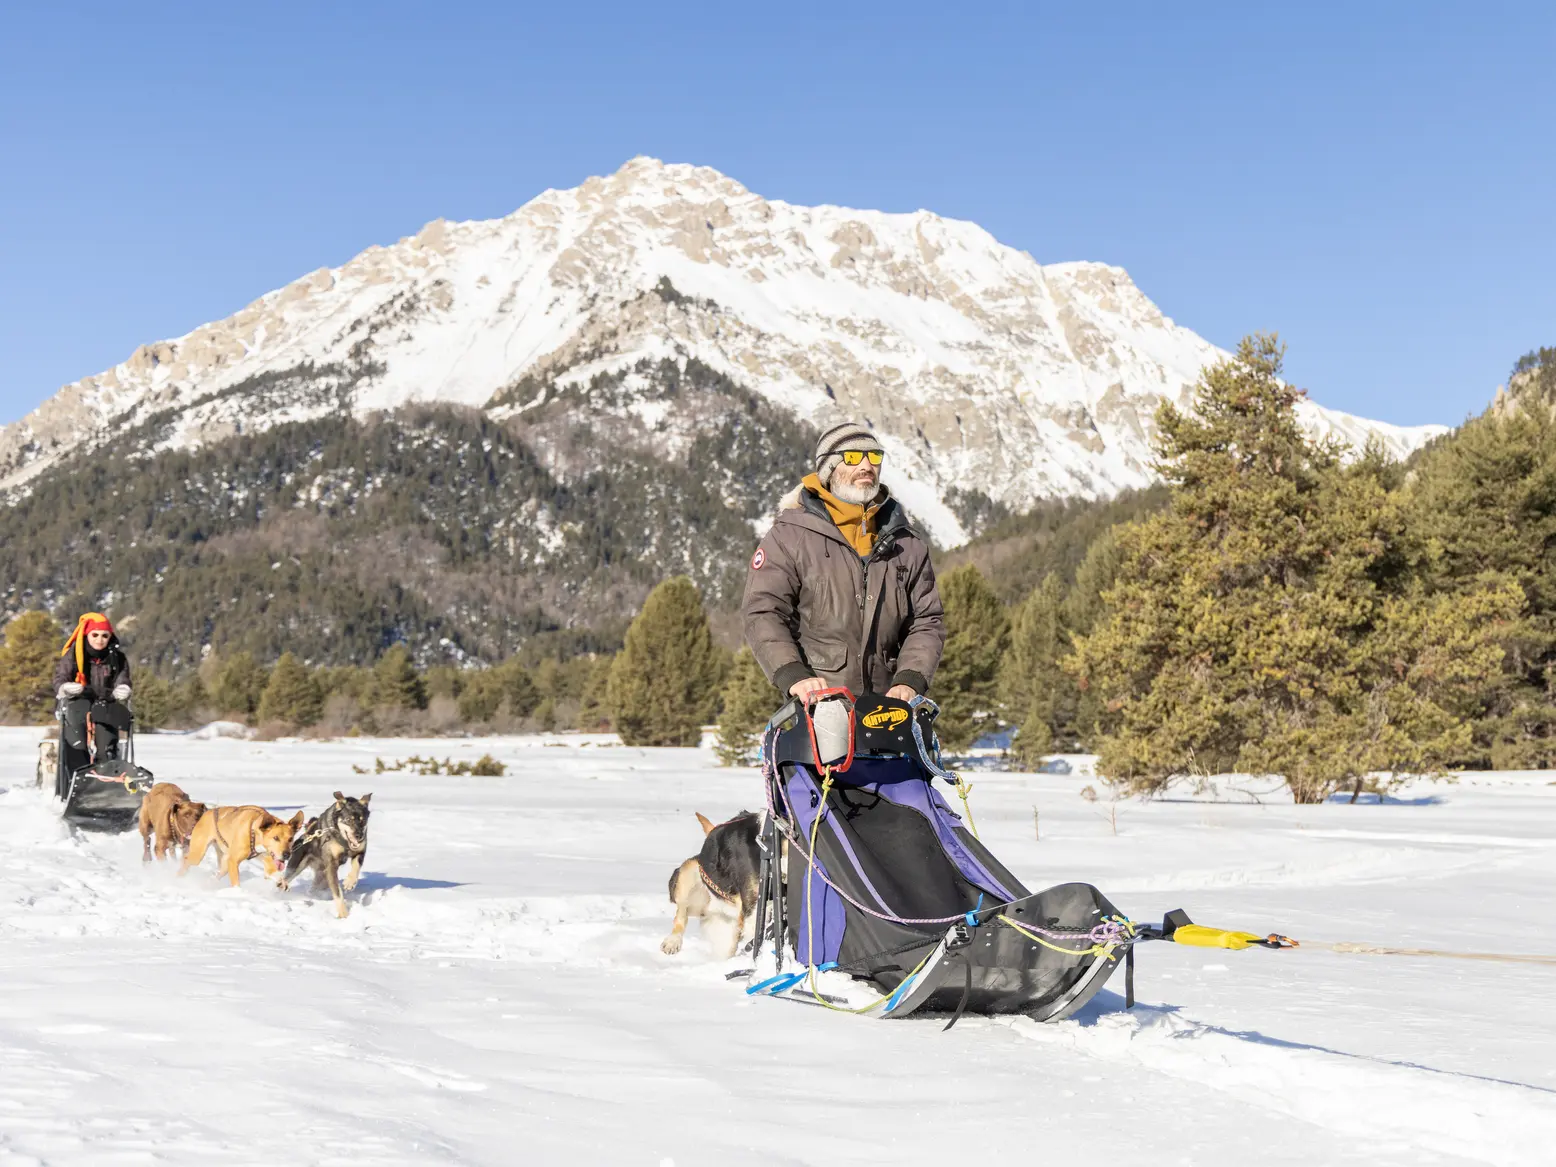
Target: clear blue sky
1374, 181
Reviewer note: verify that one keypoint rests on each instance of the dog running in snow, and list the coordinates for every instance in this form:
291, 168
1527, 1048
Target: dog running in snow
167, 813
337, 836
718, 885
48, 762
239, 833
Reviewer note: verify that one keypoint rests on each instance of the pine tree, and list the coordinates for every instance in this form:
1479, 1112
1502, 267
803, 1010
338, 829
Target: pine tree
1037, 694
1269, 620
480, 697
593, 705
239, 685
189, 700
1084, 606
519, 688
396, 683
291, 696
1083, 603
749, 699
444, 681
664, 684
153, 700
27, 660
977, 638
1482, 498
549, 679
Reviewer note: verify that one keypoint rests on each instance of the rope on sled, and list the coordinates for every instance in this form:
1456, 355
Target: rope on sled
811, 866
1110, 933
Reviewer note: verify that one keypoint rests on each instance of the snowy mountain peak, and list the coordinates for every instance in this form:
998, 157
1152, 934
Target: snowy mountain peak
983, 370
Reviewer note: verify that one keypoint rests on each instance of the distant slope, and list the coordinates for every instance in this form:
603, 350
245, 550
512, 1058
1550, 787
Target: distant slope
985, 372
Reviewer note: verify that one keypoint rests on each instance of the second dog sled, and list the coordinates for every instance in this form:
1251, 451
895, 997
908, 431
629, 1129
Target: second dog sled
101, 793
888, 903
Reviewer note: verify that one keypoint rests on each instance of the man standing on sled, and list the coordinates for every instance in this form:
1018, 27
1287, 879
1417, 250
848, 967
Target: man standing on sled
841, 591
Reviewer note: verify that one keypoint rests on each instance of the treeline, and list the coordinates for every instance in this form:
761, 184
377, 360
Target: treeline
391, 696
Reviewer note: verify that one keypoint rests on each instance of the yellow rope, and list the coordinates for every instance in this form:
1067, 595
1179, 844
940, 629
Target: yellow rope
820, 1000
1094, 950
963, 789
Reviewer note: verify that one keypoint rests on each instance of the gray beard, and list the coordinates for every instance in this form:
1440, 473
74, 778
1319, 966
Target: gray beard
858, 495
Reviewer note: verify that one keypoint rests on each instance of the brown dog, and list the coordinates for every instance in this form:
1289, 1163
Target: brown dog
167, 813
718, 885
240, 833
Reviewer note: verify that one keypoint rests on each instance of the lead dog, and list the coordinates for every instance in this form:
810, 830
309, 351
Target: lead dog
718, 885
336, 836
167, 813
240, 833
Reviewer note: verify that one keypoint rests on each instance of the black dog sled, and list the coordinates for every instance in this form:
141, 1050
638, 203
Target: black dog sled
96, 792
892, 905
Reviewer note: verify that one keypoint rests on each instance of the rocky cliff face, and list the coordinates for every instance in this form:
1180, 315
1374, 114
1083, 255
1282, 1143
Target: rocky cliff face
988, 375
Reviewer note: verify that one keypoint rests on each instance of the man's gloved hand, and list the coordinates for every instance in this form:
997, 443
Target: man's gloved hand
70, 689
121, 692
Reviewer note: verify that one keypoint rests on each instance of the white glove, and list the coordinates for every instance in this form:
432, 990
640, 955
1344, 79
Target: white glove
121, 692
70, 689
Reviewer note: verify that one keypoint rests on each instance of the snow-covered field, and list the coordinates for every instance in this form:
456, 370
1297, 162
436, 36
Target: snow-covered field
498, 995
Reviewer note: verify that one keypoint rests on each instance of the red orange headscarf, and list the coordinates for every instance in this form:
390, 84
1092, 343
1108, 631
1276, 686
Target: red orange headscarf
91, 622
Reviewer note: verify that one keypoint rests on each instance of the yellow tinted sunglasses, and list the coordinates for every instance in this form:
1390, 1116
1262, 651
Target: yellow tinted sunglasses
854, 457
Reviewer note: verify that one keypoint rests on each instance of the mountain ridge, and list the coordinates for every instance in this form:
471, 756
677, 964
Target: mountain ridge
984, 372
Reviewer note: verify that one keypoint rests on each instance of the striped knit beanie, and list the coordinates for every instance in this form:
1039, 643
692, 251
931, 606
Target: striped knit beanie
848, 435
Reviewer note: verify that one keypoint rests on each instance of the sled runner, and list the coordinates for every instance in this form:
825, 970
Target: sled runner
98, 793
891, 904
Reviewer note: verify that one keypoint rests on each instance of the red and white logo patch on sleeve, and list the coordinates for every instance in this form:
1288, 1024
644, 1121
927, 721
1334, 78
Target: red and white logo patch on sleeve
758, 559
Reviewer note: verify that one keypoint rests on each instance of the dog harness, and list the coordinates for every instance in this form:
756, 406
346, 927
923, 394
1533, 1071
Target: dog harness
216, 826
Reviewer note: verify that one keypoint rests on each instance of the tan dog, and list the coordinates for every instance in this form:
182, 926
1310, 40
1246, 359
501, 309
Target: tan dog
240, 833
167, 813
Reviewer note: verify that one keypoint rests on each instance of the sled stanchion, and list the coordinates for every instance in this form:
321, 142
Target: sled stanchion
759, 916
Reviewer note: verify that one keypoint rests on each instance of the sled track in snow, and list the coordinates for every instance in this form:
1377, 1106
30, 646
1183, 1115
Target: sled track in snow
1482, 1119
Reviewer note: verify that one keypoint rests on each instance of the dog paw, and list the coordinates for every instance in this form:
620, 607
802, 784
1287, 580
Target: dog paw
341, 911
670, 945
282, 885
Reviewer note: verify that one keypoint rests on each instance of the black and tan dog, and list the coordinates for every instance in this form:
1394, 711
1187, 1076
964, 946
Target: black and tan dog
718, 885
337, 836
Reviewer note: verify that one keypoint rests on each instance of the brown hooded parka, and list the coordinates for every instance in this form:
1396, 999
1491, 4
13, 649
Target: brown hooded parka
815, 607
